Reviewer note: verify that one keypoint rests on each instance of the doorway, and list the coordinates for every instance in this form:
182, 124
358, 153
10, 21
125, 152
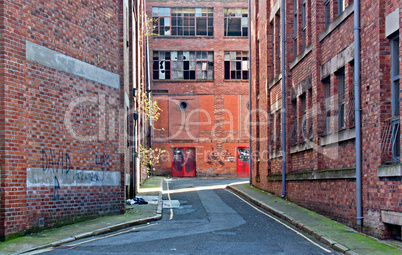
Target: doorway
184, 162
243, 166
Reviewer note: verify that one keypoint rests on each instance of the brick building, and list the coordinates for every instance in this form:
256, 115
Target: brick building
319, 97
199, 71
66, 74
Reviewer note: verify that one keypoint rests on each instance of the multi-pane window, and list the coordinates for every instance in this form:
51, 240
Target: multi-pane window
183, 21
395, 99
295, 28
341, 98
327, 13
236, 21
327, 96
236, 65
183, 65
304, 23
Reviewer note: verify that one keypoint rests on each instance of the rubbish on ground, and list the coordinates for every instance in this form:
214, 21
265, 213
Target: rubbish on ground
136, 201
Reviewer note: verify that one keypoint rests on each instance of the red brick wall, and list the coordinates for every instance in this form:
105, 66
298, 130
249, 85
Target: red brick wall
335, 198
219, 101
36, 103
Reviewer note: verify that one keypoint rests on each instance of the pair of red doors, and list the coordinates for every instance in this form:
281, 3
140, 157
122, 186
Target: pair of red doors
184, 162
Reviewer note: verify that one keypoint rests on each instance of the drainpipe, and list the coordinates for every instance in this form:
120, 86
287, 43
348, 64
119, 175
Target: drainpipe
283, 117
250, 96
357, 28
148, 78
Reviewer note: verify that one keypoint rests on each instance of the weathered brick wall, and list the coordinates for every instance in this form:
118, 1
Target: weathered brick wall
60, 148
220, 101
336, 197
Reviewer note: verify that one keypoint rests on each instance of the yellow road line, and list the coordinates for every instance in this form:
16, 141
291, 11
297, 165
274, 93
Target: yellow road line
170, 202
266, 214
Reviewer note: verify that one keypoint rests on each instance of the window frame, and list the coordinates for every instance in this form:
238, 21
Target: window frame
304, 24
341, 6
327, 13
180, 65
228, 63
340, 74
295, 27
395, 96
327, 97
184, 21
243, 24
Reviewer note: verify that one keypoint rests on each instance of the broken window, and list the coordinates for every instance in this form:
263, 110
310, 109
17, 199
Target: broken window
236, 21
183, 21
236, 65
183, 65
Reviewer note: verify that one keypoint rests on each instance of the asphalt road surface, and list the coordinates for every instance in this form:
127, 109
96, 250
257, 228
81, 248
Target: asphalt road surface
201, 217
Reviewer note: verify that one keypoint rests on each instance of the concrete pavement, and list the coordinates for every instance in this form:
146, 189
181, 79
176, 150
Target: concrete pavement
135, 215
336, 235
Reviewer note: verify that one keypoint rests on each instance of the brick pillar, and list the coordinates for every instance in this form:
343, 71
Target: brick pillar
13, 118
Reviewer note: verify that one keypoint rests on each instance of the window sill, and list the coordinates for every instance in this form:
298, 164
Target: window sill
344, 135
334, 24
305, 146
235, 80
392, 170
235, 37
391, 217
181, 37
275, 80
275, 154
328, 174
181, 81
300, 57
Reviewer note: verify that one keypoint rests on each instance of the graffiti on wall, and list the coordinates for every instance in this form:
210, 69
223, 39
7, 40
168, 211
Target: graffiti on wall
103, 162
219, 158
57, 171
55, 161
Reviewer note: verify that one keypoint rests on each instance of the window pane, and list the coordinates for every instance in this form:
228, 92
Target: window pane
155, 12
201, 26
244, 22
234, 27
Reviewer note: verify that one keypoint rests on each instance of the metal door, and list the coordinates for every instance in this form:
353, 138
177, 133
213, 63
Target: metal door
243, 166
184, 162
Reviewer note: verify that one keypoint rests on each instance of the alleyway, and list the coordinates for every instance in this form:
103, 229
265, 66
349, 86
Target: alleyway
203, 218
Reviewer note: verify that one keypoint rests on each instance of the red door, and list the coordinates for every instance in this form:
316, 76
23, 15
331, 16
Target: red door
184, 163
243, 166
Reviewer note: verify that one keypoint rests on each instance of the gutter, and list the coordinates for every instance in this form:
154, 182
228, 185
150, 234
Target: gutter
250, 98
357, 29
283, 117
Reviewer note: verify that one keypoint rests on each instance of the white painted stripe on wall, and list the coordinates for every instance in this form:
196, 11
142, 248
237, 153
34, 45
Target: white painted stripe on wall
56, 60
39, 177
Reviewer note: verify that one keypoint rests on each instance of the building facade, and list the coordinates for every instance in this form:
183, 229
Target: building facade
199, 67
319, 98
67, 73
